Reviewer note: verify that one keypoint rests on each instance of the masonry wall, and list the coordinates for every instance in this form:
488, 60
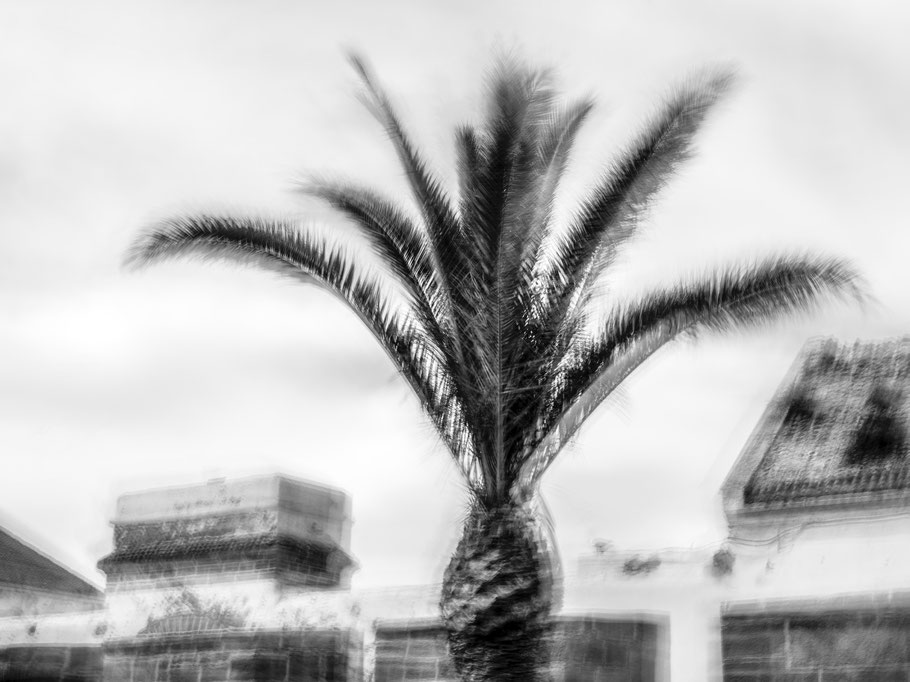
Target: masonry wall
412, 653
30, 663
260, 656
25, 601
592, 650
822, 647
586, 650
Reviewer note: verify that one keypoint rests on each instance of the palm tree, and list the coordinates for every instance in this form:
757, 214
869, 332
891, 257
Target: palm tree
484, 305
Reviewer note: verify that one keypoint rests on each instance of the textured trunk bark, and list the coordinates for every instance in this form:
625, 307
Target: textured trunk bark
497, 597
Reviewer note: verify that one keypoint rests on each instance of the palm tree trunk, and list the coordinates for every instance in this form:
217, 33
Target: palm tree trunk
497, 597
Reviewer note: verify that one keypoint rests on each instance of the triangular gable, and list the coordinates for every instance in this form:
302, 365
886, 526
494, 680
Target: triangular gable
23, 566
835, 432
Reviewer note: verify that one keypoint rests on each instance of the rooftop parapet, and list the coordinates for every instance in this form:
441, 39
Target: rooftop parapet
295, 530
835, 433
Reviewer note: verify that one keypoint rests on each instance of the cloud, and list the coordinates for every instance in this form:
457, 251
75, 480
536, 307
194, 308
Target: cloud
115, 116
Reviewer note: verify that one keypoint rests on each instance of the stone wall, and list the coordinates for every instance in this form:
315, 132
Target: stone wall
593, 650
587, 650
242, 656
822, 647
245, 656
412, 653
183, 650
50, 663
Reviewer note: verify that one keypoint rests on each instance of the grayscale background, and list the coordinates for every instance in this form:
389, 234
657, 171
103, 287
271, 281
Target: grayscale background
114, 114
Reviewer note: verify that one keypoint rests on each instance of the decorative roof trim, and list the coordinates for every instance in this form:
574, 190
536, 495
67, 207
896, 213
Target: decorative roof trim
760, 440
746, 493
75, 584
190, 548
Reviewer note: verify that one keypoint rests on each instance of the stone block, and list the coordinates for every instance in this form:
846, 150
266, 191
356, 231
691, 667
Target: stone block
215, 667
145, 669
261, 667
184, 668
265, 503
293, 531
117, 669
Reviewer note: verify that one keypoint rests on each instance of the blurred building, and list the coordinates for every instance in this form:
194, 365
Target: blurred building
250, 579
33, 584
34, 587
817, 506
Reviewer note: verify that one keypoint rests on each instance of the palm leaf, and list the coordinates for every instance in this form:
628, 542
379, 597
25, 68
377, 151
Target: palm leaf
734, 298
492, 332
441, 219
554, 146
284, 248
400, 244
608, 218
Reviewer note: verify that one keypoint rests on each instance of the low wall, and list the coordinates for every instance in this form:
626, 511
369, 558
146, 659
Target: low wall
260, 656
37, 663
587, 650
823, 647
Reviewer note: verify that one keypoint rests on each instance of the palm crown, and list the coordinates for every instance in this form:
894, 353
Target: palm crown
495, 333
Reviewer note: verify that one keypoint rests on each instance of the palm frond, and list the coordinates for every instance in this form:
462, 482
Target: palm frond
472, 307
554, 145
735, 298
521, 102
493, 332
441, 219
524, 104
606, 220
451, 249
400, 244
532, 357
283, 247
609, 217
478, 276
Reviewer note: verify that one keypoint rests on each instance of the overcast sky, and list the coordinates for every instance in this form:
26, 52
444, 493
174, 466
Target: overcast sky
113, 114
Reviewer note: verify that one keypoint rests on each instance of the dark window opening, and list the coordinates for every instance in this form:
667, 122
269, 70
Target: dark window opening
881, 434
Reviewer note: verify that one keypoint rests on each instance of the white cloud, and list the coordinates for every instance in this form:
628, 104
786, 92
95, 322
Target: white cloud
114, 115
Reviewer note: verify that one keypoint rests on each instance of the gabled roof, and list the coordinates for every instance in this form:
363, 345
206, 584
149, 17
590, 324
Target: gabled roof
836, 431
22, 566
